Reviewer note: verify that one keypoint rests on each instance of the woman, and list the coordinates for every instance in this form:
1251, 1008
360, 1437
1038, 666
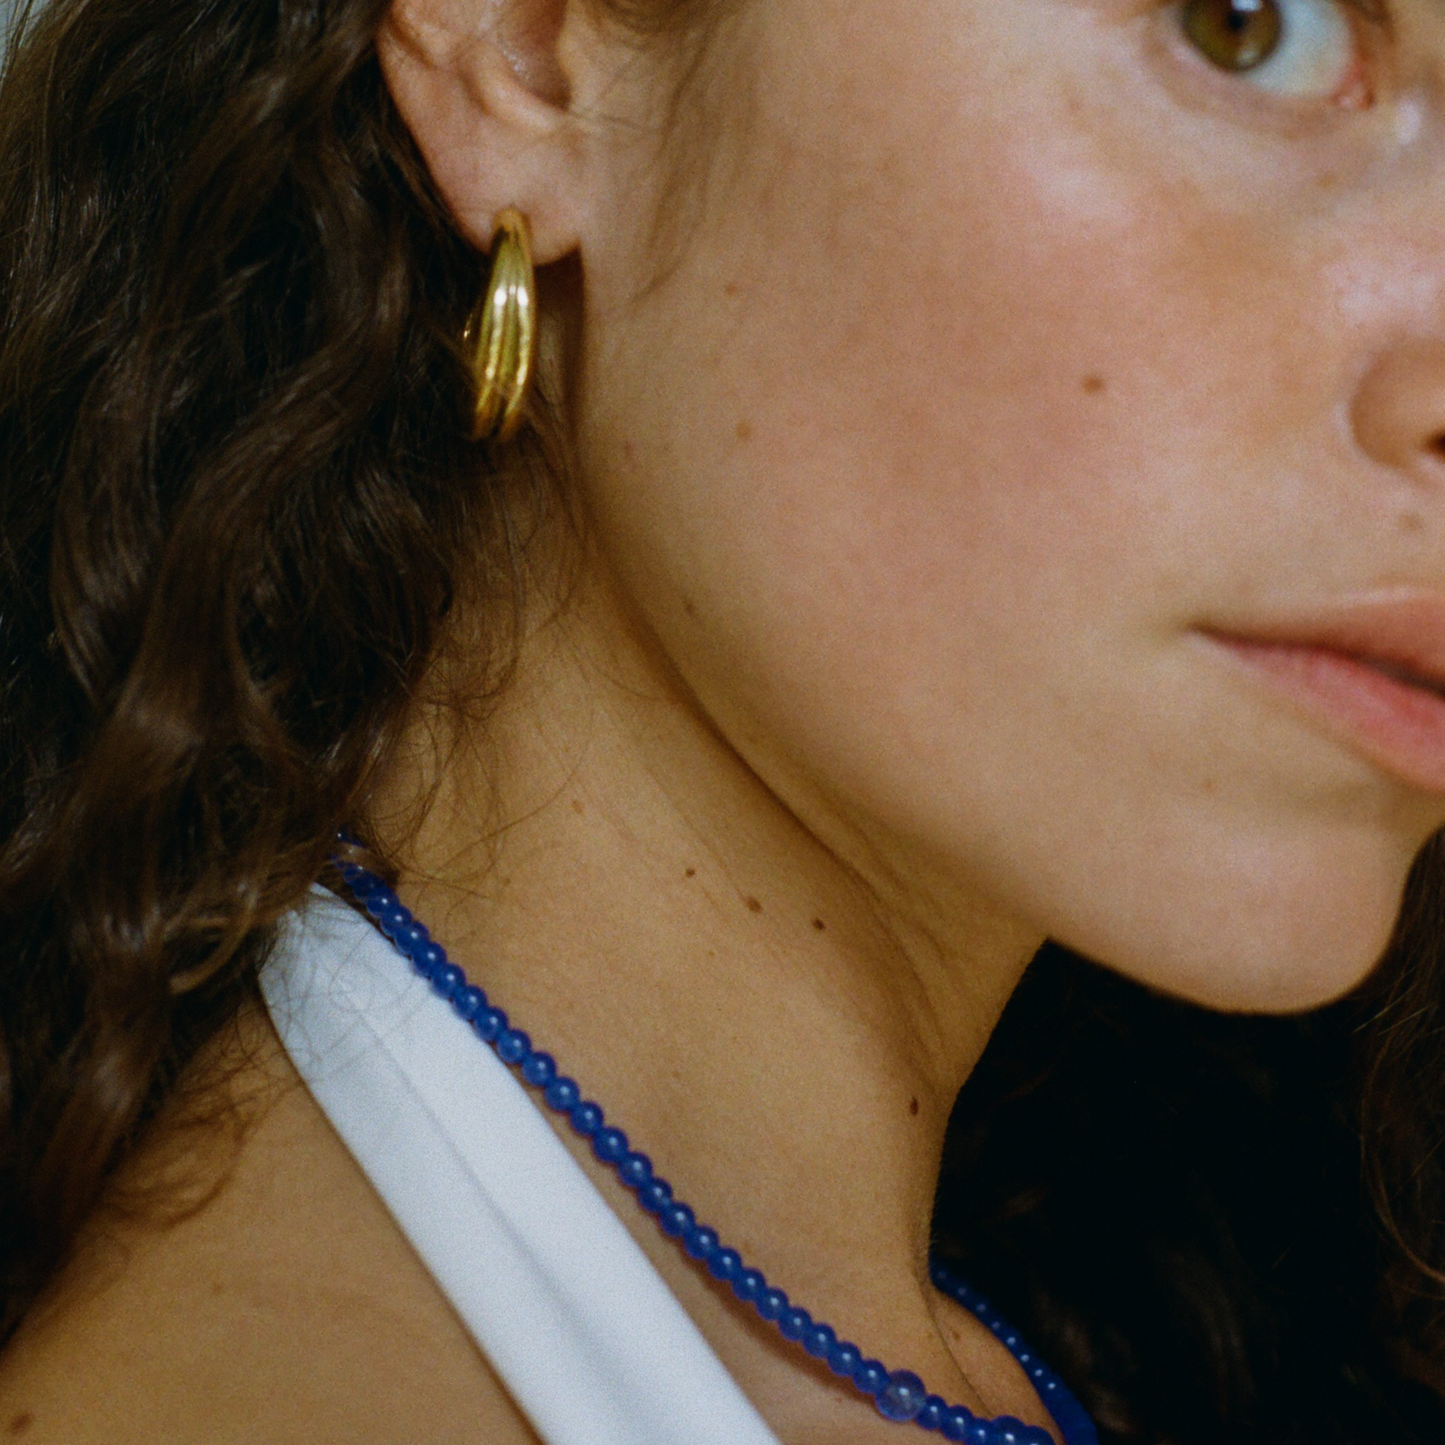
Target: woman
982, 485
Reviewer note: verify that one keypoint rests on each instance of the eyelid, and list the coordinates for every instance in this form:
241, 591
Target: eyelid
1378, 16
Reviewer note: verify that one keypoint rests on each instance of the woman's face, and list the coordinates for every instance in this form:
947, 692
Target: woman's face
1014, 364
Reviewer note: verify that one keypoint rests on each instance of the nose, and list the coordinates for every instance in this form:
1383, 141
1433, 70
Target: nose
1398, 413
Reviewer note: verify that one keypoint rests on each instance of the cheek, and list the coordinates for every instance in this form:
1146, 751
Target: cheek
908, 449
940, 444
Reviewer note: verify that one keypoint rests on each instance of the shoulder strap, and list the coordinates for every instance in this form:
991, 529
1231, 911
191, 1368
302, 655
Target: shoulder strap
563, 1302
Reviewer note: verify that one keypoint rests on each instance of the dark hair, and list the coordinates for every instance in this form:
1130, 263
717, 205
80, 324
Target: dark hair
233, 495
1221, 1229
237, 504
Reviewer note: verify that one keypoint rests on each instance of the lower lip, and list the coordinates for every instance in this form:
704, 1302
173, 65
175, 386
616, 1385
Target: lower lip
1399, 727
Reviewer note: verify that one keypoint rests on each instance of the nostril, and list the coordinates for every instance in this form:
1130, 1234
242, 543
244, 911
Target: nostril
1398, 410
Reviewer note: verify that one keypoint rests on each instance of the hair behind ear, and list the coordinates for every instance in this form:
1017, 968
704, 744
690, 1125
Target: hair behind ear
236, 502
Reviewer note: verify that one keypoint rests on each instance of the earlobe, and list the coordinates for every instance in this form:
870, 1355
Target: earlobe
480, 86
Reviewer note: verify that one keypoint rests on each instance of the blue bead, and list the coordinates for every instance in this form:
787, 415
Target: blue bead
795, 1323
956, 1423
447, 980
610, 1145
749, 1285
675, 1219
655, 1195
902, 1396
392, 919
1006, 1430
380, 899
980, 1432
490, 1025
1072, 1419
819, 1339
930, 1417
587, 1119
700, 1241
870, 1376
726, 1265
427, 960
469, 1002
771, 1304
412, 937
513, 1047
843, 1358
635, 1170
563, 1095
539, 1070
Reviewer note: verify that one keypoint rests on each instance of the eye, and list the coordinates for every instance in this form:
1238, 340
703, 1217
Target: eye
1302, 48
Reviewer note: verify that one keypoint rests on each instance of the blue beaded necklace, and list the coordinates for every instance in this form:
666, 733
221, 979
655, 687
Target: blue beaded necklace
897, 1394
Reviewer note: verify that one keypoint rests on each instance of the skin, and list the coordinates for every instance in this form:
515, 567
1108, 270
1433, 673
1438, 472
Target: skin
942, 382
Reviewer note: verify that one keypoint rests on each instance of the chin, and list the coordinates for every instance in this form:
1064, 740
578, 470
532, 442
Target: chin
1280, 941
1283, 984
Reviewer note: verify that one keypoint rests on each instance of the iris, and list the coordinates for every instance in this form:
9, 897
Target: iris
1235, 34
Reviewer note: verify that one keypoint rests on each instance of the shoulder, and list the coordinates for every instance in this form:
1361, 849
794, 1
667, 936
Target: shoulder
282, 1305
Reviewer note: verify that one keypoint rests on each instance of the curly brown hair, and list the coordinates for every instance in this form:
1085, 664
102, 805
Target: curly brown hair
234, 505
237, 504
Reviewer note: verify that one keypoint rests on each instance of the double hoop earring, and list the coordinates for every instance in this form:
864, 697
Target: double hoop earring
500, 339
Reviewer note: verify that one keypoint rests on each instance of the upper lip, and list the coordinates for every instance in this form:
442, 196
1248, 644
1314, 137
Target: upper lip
1399, 632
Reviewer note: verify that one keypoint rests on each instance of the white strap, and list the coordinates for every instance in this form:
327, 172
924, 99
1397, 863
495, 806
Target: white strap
570, 1312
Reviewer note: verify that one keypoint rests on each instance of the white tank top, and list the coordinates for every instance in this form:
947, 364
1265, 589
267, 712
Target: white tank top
569, 1311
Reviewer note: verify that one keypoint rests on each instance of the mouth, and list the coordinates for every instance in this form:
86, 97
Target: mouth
1405, 676
1377, 687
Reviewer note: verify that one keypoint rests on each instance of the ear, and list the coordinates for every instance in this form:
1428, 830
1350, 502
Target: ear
483, 88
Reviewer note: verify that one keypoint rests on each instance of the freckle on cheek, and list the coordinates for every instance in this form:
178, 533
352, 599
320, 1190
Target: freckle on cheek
745, 431
753, 905
1093, 385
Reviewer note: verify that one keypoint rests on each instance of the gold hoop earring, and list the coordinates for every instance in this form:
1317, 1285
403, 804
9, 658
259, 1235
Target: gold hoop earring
501, 334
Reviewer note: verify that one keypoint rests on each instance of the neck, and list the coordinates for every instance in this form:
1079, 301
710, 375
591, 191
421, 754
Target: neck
746, 989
